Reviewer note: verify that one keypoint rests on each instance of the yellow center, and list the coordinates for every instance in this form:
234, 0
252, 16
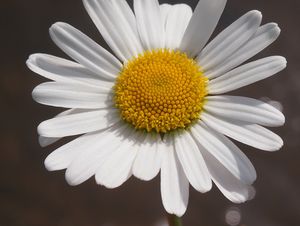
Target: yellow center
160, 90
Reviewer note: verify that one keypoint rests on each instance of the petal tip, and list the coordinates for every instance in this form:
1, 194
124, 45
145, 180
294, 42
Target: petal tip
56, 26
280, 61
34, 94
284, 61
71, 179
282, 122
30, 59
278, 144
49, 163
53, 26
40, 128
179, 212
276, 30
256, 12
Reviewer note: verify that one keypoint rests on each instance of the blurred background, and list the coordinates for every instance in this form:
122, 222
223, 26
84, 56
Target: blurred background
30, 195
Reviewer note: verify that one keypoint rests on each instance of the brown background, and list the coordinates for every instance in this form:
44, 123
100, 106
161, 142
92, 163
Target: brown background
29, 195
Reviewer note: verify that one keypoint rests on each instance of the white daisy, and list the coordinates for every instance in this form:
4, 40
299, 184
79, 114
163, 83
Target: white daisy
155, 106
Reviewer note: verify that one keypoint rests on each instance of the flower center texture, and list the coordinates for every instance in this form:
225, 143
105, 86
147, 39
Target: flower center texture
160, 90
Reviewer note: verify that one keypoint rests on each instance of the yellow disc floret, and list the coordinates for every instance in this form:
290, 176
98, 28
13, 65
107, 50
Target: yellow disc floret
160, 90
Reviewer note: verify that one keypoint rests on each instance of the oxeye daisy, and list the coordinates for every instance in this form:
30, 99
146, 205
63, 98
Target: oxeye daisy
158, 104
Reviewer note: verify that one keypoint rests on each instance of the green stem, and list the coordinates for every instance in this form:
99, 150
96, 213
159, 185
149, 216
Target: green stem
174, 220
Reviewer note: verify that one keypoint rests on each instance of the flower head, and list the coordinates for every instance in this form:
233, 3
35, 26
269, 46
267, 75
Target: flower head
158, 104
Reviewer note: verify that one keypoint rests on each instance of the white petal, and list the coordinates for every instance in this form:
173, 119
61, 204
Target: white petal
62, 70
226, 152
94, 154
80, 123
232, 188
71, 96
264, 36
247, 74
45, 141
244, 109
149, 23
116, 169
164, 11
177, 21
148, 160
192, 162
116, 23
63, 156
85, 51
250, 134
202, 25
174, 184
229, 40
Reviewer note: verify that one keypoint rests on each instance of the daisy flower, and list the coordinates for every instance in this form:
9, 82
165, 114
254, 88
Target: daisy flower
158, 104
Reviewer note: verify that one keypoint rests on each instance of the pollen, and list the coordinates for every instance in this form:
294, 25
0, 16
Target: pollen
160, 90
